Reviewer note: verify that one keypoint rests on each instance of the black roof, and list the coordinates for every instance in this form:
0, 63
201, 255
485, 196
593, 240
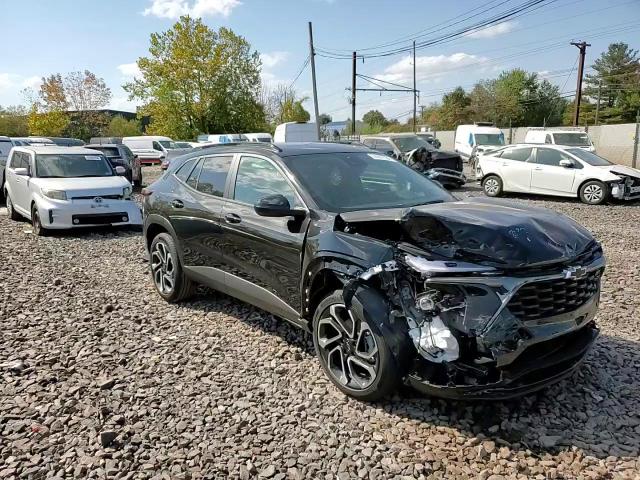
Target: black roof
283, 149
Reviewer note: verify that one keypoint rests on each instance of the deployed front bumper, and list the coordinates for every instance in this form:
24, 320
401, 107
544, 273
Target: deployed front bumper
447, 176
60, 215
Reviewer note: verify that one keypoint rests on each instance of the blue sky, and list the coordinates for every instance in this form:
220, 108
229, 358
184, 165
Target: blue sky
108, 36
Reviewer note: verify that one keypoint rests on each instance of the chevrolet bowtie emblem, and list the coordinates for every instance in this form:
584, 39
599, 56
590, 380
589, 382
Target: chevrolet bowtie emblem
574, 273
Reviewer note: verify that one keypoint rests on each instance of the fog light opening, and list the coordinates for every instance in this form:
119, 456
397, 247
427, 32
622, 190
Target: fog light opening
76, 221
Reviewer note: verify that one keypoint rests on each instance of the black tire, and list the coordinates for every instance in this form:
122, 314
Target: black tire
38, 229
371, 388
166, 271
13, 215
594, 192
492, 186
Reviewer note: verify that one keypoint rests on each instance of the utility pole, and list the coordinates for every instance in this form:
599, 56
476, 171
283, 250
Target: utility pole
598, 104
582, 46
312, 56
415, 92
353, 97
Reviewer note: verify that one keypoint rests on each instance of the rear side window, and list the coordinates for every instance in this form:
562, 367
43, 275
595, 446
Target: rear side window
213, 176
518, 154
192, 181
184, 171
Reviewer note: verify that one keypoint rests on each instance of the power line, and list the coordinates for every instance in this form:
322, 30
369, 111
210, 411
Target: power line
304, 65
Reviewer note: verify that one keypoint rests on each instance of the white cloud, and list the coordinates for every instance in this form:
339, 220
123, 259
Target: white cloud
31, 82
5, 81
492, 30
173, 9
130, 70
270, 60
428, 67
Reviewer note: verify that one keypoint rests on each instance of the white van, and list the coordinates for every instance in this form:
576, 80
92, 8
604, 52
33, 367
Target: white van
296, 132
223, 138
150, 149
485, 136
561, 136
260, 137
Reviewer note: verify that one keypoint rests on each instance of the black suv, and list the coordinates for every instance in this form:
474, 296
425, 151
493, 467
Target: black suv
120, 155
396, 280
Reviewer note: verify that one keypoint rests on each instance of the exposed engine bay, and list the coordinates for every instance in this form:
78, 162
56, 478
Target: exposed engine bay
493, 308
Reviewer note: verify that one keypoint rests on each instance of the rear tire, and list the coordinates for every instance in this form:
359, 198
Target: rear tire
594, 192
492, 186
13, 215
166, 270
354, 356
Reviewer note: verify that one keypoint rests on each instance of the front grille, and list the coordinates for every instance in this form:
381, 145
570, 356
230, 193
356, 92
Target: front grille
548, 298
104, 197
100, 218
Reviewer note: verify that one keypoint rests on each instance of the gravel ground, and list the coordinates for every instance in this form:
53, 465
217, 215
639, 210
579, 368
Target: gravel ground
102, 379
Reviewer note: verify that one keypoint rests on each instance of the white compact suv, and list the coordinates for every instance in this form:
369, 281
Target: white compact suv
556, 170
67, 187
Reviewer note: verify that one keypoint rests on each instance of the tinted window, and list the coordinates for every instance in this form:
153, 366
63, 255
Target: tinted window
16, 160
214, 175
192, 181
547, 156
576, 139
127, 152
156, 146
519, 154
493, 139
548, 139
108, 151
258, 178
5, 147
72, 166
342, 182
590, 158
406, 144
184, 171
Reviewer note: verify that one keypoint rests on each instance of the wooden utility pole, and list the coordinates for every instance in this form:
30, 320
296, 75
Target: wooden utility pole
312, 57
353, 97
582, 46
415, 94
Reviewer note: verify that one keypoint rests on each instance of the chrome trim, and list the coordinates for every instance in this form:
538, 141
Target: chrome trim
510, 284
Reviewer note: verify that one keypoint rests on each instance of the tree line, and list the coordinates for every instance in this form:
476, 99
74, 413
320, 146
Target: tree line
195, 80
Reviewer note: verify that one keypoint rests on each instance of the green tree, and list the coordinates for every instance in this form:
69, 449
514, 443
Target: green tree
293, 111
455, 109
121, 127
325, 118
197, 80
374, 119
14, 121
47, 124
617, 71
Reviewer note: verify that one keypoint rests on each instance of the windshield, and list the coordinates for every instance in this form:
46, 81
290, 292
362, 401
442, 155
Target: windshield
406, 144
168, 144
577, 139
372, 180
493, 139
588, 157
72, 166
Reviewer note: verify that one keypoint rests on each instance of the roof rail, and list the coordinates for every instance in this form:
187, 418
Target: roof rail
270, 146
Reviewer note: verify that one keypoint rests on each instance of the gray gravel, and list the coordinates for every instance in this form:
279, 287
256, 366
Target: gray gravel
102, 379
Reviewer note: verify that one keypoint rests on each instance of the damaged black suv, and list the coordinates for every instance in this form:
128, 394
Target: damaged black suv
396, 279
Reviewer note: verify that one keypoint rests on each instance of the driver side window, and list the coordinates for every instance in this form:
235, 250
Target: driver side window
258, 178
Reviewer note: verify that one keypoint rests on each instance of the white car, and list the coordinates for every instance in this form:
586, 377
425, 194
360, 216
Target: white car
556, 170
67, 187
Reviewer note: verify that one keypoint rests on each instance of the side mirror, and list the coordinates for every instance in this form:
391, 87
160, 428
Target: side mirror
120, 170
276, 206
23, 172
567, 163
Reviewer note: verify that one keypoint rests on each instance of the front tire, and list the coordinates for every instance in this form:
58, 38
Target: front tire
168, 276
11, 211
492, 186
355, 357
594, 192
38, 229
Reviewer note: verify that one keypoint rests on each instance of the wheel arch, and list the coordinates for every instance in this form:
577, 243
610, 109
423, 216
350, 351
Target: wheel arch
584, 182
156, 224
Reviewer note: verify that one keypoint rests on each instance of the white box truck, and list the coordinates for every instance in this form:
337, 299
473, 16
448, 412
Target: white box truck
296, 132
482, 135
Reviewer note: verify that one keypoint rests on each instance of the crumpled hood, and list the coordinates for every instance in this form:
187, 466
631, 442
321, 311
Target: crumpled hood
623, 171
487, 231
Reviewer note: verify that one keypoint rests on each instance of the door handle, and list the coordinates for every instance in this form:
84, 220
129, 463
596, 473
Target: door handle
232, 218
177, 204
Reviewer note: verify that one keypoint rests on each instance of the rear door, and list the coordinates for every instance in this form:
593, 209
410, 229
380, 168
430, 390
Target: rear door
515, 165
262, 255
196, 208
548, 177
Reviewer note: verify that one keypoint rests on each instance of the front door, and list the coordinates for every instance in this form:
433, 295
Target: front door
20, 183
548, 176
262, 255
